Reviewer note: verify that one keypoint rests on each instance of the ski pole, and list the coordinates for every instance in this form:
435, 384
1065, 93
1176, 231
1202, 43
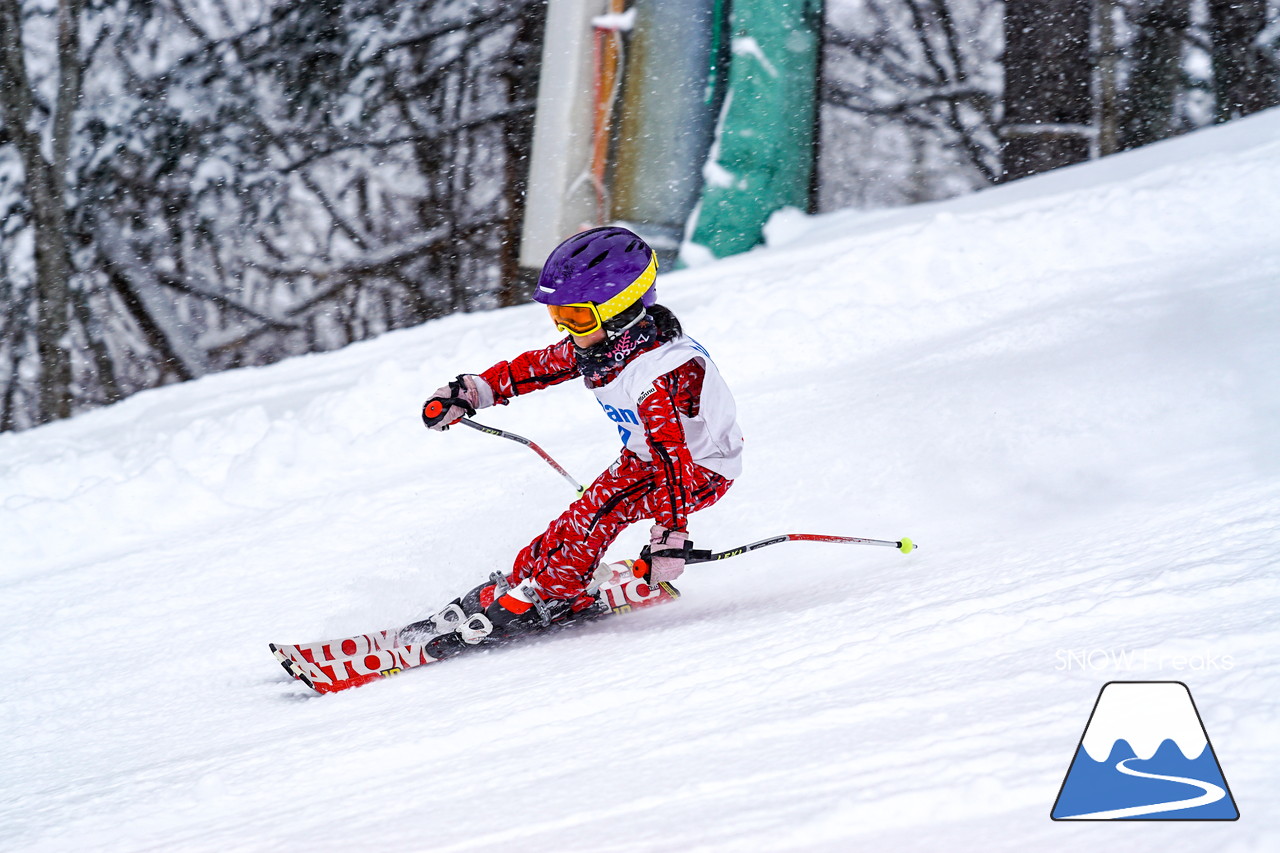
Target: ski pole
435, 409
904, 545
529, 444
692, 556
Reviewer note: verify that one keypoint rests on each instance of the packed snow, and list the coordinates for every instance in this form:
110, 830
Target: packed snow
1066, 390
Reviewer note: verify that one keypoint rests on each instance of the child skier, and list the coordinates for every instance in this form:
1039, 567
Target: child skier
681, 444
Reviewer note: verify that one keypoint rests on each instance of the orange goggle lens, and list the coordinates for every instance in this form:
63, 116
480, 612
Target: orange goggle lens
579, 319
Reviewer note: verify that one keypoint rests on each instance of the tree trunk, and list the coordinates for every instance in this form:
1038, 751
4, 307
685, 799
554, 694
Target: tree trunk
1157, 72
1048, 108
45, 182
522, 88
1108, 79
1242, 82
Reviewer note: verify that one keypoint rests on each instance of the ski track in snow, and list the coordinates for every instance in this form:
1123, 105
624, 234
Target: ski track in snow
1066, 390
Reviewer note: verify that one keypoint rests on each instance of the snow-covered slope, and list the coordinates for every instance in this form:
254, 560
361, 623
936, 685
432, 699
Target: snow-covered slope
1066, 390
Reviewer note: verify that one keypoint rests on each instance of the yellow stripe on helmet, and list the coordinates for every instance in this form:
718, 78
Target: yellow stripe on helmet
616, 305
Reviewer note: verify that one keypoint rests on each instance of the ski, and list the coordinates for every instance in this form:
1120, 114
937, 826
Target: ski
327, 674
330, 666
363, 657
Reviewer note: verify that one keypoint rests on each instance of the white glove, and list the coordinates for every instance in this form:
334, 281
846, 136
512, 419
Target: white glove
458, 399
667, 552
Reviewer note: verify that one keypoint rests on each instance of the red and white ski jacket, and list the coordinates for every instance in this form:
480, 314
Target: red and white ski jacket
670, 405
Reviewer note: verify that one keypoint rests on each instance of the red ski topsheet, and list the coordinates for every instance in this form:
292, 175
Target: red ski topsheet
333, 665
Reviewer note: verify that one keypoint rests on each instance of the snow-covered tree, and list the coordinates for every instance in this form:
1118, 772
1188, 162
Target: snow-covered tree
917, 92
187, 185
910, 92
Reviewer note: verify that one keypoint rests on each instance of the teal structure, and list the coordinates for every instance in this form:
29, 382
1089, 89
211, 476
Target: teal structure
762, 154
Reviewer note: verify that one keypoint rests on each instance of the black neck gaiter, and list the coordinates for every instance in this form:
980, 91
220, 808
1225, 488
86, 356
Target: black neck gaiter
601, 363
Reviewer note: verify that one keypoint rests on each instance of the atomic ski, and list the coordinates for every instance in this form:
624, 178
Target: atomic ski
333, 665
369, 660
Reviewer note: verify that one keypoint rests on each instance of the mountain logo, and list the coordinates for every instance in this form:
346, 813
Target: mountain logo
1145, 755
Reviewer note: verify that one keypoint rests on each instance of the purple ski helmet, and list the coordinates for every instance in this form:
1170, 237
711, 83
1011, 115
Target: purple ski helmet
609, 267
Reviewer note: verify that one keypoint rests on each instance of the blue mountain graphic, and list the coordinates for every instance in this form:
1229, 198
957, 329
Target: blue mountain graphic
1097, 786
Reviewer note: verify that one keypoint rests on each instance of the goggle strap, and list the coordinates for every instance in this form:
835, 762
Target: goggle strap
634, 320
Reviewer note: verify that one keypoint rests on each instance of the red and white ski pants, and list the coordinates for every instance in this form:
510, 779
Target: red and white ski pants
562, 559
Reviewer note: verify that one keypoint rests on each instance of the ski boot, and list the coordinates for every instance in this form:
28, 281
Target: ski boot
501, 612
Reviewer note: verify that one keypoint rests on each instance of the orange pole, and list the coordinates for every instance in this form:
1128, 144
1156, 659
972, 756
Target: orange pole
607, 63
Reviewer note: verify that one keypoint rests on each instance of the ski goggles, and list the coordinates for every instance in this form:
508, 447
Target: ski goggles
583, 318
